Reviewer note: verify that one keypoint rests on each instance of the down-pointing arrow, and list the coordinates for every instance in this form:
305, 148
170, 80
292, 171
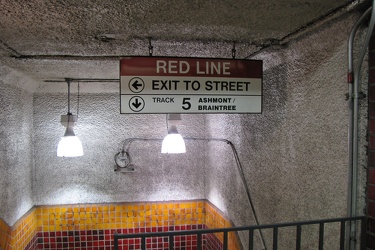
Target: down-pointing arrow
136, 85
136, 104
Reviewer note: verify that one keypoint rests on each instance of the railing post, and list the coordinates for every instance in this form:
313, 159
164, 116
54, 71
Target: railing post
116, 241
298, 237
143, 242
225, 241
171, 242
342, 235
251, 239
363, 233
199, 241
321, 235
275, 235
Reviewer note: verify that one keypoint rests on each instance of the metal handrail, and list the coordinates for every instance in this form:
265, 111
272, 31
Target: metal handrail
251, 229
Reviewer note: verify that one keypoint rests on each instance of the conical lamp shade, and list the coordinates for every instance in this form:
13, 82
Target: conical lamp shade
173, 143
69, 145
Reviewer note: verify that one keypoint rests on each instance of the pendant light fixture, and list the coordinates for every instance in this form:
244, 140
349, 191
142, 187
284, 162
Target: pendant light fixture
173, 143
69, 145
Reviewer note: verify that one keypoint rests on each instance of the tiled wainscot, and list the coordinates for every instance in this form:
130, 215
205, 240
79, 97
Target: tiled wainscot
92, 226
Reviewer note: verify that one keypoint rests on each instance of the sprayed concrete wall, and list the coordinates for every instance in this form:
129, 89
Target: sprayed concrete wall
294, 155
102, 130
16, 144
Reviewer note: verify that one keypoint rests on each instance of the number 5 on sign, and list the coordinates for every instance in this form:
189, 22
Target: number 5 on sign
186, 105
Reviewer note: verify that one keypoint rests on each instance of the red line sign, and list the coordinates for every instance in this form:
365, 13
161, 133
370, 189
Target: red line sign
201, 67
190, 85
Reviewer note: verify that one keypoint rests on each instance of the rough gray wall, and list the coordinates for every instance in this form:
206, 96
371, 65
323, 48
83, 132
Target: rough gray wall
295, 154
102, 130
16, 147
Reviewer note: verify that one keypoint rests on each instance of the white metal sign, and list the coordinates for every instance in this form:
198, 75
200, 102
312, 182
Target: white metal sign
190, 85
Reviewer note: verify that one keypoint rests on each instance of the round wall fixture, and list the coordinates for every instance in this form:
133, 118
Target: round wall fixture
122, 161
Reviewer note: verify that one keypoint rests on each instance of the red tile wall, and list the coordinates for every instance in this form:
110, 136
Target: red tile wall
371, 148
32, 245
103, 239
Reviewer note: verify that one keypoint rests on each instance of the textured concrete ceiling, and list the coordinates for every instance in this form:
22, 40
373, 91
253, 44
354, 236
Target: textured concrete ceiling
83, 39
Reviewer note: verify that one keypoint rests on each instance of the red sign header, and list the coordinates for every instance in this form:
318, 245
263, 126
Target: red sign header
190, 67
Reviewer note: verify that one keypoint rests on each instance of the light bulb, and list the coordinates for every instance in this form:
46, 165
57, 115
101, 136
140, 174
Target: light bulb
173, 143
69, 145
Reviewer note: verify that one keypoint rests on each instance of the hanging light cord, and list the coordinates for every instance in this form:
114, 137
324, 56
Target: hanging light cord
77, 99
68, 82
166, 122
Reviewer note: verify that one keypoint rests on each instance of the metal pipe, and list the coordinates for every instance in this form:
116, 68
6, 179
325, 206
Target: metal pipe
356, 86
84, 80
350, 99
351, 39
353, 80
244, 182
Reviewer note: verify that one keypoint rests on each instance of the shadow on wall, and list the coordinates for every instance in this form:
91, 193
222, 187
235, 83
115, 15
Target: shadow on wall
247, 131
255, 130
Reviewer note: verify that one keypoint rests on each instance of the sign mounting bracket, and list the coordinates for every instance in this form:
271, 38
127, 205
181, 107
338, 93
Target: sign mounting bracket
150, 47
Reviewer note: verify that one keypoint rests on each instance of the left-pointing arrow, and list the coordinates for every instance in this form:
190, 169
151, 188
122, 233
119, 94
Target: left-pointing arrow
136, 84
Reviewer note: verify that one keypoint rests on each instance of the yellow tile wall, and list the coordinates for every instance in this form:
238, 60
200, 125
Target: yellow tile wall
20, 234
111, 216
214, 218
121, 215
5, 235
